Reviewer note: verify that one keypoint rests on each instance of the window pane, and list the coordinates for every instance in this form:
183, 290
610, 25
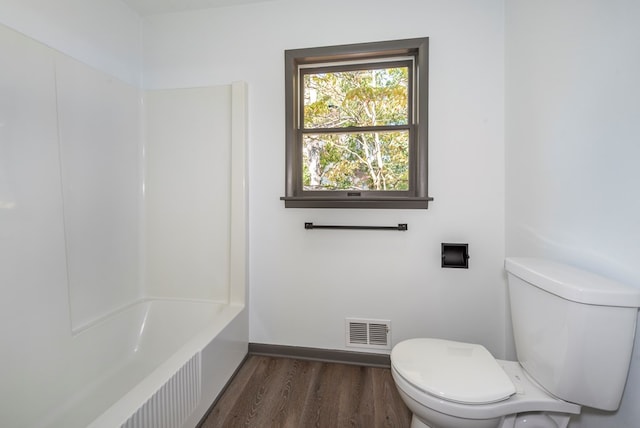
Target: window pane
356, 161
375, 97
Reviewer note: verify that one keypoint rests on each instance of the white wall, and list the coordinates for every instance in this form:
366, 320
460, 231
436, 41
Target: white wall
573, 145
104, 34
304, 283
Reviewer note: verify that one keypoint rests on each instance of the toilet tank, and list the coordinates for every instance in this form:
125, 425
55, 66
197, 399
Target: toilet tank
573, 330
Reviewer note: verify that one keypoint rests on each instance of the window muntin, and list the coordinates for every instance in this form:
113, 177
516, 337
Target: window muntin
361, 143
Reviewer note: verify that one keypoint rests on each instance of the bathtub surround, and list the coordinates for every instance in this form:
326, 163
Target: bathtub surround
98, 198
187, 192
99, 121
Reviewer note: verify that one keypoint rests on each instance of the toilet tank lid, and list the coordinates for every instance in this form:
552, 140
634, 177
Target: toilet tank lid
453, 371
573, 284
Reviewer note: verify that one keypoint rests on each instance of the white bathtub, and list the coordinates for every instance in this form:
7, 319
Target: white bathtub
177, 351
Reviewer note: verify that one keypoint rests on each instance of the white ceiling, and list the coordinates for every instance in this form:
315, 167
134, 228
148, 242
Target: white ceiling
154, 7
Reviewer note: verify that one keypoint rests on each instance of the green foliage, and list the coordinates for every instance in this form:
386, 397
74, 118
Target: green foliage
356, 159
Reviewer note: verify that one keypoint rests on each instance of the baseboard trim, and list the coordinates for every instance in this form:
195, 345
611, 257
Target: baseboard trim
319, 354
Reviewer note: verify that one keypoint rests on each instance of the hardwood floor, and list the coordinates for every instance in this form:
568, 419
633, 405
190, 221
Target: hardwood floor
284, 392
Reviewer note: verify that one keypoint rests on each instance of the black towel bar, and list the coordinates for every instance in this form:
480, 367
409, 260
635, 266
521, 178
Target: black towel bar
400, 226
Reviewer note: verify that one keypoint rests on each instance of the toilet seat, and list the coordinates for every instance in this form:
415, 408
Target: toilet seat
528, 396
454, 371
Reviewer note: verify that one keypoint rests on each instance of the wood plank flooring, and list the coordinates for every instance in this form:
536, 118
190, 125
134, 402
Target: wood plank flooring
289, 393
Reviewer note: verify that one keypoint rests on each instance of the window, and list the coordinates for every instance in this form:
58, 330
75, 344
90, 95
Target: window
356, 125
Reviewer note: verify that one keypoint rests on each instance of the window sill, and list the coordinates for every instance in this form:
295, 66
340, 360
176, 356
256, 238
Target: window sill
375, 203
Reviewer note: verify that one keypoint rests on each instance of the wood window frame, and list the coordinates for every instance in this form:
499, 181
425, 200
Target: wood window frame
416, 197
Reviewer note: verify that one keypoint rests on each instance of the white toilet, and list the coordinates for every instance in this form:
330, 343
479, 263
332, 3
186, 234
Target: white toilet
574, 334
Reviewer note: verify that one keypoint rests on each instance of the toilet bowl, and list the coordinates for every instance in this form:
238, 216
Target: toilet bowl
563, 322
448, 384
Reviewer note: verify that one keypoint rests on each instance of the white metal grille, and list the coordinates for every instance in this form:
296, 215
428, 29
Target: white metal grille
368, 333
